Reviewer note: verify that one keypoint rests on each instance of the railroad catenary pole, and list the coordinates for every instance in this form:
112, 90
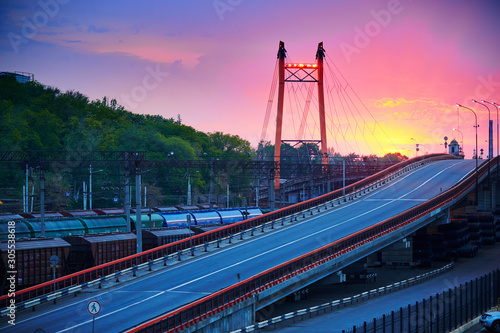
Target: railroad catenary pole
138, 222
127, 194
42, 203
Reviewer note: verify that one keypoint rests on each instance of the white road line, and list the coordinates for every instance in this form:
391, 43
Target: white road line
419, 200
190, 292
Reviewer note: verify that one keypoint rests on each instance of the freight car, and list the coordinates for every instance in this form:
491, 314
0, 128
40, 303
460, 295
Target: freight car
209, 216
155, 238
148, 221
32, 264
83, 239
93, 250
67, 223
22, 230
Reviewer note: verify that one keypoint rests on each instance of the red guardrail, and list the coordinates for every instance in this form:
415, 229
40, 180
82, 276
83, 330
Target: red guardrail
214, 303
95, 273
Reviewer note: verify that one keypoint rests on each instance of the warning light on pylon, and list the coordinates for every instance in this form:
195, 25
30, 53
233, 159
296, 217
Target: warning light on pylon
301, 65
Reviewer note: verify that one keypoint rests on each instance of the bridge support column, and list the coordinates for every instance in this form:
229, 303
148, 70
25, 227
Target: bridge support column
398, 254
239, 315
484, 197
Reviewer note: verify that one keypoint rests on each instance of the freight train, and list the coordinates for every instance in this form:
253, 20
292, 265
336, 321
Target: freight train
82, 240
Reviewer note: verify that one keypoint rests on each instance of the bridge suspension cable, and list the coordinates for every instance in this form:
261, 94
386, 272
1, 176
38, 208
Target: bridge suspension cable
360, 112
272, 92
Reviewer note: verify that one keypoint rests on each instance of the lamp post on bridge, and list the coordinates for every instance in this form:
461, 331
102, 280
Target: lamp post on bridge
490, 130
498, 139
475, 116
490, 145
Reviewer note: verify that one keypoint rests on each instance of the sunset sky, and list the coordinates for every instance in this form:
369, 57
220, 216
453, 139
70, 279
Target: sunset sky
212, 62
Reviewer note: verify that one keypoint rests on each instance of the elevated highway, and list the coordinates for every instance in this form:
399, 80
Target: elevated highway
317, 238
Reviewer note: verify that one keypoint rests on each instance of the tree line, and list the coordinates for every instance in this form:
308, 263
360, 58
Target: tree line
38, 117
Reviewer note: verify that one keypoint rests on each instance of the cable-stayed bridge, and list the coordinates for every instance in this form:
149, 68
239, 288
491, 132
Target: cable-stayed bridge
216, 281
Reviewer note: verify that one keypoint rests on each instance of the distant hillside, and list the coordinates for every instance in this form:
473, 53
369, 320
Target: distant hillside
37, 117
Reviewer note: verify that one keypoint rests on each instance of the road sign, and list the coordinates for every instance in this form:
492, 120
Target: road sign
94, 307
54, 260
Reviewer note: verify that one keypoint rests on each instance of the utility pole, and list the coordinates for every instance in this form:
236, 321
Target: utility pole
27, 190
42, 203
84, 196
127, 194
90, 187
189, 190
211, 189
138, 222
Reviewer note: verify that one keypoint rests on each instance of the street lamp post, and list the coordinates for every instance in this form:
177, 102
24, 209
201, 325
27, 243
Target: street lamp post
90, 185
475, 116
496, 106
189, 190
490, 130
490, 145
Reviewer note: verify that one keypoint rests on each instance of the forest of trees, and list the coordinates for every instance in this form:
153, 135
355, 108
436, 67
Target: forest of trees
38, 117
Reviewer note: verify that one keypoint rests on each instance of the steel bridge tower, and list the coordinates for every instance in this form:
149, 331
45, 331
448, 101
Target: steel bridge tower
299, 72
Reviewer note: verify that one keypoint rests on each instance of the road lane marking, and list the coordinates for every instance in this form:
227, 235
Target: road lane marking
419, 200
